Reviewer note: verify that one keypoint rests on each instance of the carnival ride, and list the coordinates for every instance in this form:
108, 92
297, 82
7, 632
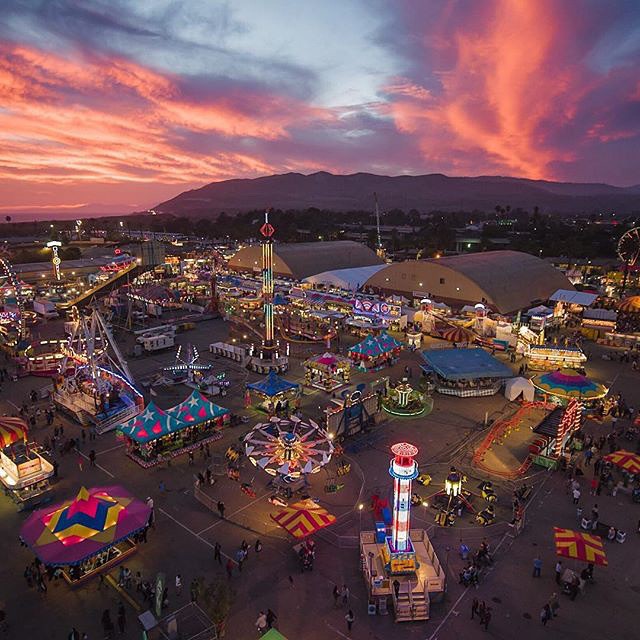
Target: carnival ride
629, 252
100, 390
186, 368
16, 285
404, 400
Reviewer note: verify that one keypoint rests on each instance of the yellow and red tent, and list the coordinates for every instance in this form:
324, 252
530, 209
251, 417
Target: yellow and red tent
303, 518
11, 430
626, 460
579, 546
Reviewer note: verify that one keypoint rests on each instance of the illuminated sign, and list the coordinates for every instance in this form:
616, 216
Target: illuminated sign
378, 308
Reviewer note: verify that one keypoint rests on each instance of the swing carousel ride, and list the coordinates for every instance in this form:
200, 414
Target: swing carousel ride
99, 389
289, 448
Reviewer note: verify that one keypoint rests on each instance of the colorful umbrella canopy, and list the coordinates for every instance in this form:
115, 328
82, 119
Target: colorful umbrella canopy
303, 518
70, 532
630, 305
288, 447
625, 460
196, 409
567, 383
458, 334
579, 546
12, 430
374, 346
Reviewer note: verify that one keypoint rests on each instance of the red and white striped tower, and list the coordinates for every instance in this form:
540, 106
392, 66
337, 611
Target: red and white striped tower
403, 470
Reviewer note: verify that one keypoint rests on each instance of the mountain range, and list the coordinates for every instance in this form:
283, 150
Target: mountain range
425, 193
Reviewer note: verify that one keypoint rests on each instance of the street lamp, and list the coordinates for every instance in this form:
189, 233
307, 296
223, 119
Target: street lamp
360, 508
55, 260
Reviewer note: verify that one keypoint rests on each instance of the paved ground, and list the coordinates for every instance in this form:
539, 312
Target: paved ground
186, 532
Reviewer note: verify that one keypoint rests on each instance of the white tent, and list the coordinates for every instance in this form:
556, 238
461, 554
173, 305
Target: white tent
516, 386
351, 279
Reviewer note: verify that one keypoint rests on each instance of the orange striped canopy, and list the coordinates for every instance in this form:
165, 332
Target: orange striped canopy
626, 460
458, 334
579, 546
630, 305
12, 430
303, 518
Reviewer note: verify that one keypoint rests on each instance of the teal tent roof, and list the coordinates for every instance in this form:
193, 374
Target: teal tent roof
373, 346
272, 385
151, 424
196, 409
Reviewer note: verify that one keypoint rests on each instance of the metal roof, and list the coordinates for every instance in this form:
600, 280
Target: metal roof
574, 297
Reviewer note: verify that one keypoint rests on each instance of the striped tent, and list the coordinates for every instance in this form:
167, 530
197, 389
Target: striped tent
630, 305
303, 518
579, 546
626, 460
12, 430
567, 383
458, 334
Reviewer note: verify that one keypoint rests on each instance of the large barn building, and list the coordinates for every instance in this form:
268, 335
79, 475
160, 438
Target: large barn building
303, 259
506, 281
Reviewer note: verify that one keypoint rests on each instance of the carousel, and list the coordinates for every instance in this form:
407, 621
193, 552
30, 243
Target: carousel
328, 371
289, 449
404, 400
274, 393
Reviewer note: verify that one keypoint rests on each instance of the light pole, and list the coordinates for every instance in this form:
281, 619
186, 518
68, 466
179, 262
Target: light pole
54, 245
360, 508
453, 488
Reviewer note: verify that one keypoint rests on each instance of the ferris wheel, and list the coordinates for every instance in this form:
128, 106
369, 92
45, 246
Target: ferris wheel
629, 247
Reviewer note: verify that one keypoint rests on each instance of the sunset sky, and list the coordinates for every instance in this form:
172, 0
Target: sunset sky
124, 103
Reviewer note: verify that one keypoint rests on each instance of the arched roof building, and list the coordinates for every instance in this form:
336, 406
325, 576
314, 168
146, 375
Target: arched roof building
303, 259
506, 281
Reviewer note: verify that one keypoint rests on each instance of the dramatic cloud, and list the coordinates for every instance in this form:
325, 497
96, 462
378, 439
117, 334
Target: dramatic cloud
127, 103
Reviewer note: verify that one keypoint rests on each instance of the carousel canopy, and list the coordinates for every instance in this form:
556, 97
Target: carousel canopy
630, 305
567, 383
465, 364
196, 409
303, 518
12, 430
626, 460
70, 532
327, 361
273, 385
290, 447
579, 546
374, 346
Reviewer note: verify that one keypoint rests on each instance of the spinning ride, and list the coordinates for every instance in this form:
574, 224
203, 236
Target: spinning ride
16, 285
100, 391
404, 400
288, 448
186, 368
629, 252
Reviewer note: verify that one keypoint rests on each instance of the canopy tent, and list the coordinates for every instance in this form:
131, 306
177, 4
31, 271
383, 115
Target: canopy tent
151, 424
70, 532
351, 279
303, 518
12, 430
516, 386
458, 334
567, 383
375, 346
465, 364
196, 409
626, 460
630, 305
574, 297
273, 385
579, 546
540, 310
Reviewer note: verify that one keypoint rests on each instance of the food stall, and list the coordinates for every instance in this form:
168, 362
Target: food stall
24, 470
156, 434
551, 357
274, 393
88, 534
328, 371
376, 352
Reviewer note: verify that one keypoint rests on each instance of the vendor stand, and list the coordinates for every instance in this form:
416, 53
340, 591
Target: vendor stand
274, 392
156, 435
24, 470
88, 534
551, 357
328, 371
376, 352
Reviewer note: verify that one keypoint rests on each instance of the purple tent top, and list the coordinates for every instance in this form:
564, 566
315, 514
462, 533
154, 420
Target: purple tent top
70, 532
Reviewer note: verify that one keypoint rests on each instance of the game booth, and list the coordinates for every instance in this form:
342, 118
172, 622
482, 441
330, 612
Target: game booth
376, 352
87, 535
465, 373
274, 393
24, 469
550, 357
157, 434
328, 371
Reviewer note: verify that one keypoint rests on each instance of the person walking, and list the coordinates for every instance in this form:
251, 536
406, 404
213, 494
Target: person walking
92, 458
74, 634
240, 559
545, 615
537, 567
261, 623
221, 508
554, 604
336, 596
558, 571
194, 590
122, 618
345, 595
257, 546
229, 568
576, 495
475, 607
349, 618
217, 552
487, 618
396, 588
107, 625
179, 585
271, 618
